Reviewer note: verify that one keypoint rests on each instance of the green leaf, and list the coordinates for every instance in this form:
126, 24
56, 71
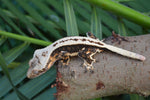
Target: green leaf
136, 97
96, 23
5, 70
13, 65
16, 78
45, 10
22, 18
123, 11
71, 23
9, 56
83, 9
35, 86
25, 38
96, 99
47, 94
10, 22
2, 40
122, 0
54, 33
14, 53
121, 27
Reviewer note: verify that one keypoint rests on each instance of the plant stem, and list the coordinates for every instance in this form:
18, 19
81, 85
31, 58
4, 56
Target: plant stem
123, 11
24, 38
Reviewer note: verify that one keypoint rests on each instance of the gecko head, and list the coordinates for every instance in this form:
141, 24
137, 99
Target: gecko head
39, 64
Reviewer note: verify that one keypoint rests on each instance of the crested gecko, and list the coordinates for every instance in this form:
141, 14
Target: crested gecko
63, 49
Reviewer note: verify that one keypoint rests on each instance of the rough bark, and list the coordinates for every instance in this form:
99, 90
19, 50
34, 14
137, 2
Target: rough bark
113, 74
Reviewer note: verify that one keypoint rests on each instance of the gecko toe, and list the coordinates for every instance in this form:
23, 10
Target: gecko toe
65, 66
92, 71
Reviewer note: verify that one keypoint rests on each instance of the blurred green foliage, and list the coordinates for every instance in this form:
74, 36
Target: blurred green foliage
49, 20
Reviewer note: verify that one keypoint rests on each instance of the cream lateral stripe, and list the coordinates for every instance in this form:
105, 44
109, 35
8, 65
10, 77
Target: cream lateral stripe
125, 52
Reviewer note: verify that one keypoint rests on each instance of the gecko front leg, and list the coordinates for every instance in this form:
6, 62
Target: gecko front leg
87, 55
64, 58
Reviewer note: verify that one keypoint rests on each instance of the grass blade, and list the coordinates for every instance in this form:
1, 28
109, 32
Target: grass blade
123, 11
121, 27
5, 70
25, 38
52, 15
71, 25
13, 65
12, 54
47, 94
123, 1
136, 97
16, 78
83, 9
23, 19
10, 22
2, 40
52, 31
33, 87
96, 23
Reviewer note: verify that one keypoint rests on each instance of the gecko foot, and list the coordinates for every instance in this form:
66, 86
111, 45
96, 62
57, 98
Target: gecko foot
87, 55
89, 69
64, 58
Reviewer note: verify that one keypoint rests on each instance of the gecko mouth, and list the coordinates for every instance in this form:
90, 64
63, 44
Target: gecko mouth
35, 73
36, 68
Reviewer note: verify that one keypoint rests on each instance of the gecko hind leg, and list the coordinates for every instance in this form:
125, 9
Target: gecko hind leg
87, 55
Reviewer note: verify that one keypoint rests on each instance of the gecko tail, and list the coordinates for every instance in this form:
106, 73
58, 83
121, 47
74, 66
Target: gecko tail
125, 52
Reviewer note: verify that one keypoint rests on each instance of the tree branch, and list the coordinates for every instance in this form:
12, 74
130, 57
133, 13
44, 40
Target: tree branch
113, 74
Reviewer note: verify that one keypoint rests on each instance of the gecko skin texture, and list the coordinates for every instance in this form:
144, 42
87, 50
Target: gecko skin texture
63, 49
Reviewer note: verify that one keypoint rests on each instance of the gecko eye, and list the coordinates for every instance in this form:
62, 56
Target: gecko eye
32, 64
35, 72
